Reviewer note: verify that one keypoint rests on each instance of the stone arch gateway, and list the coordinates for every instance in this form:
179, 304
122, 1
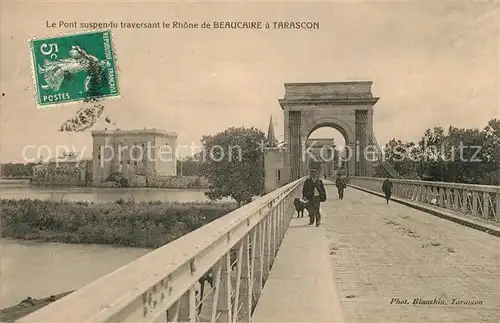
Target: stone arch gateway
345, 106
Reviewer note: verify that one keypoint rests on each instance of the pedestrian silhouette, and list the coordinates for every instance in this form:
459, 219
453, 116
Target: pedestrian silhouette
341, 185
387, 189
314, 192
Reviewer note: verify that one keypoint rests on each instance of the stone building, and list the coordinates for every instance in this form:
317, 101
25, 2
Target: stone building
148, 153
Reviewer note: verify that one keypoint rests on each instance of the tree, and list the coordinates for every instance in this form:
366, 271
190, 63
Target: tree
234, 164
491, 149
403, 156
431, 161
17, 170
457, 155
465, 158
188, 166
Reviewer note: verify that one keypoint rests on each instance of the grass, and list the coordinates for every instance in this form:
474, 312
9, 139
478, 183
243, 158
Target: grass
121, 223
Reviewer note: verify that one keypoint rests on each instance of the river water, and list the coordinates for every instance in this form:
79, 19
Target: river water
18, 190
35, 269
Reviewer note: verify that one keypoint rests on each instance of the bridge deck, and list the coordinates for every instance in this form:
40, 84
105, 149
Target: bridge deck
301, 286
378, 253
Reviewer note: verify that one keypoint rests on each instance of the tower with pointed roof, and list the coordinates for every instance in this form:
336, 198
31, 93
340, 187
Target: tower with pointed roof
274, 176
271, 138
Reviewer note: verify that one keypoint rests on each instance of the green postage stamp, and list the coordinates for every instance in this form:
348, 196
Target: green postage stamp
74, 68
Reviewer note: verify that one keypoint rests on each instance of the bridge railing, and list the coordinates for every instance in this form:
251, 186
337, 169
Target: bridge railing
215, 273
481, 201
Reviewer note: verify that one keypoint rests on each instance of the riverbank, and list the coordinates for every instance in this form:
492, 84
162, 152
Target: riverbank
27, 306
6, 181
133, 181
121, 223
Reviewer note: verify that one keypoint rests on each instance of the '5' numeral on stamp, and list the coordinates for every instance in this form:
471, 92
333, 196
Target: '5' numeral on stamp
49, 51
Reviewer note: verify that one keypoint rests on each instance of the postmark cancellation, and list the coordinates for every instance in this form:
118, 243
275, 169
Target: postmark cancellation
74, 68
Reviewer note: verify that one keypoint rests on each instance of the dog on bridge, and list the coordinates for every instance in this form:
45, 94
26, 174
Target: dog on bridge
300, 205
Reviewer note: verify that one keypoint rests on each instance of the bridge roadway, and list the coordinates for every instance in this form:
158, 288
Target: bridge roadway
367, 254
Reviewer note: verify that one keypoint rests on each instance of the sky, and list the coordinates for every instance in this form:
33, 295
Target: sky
432, 64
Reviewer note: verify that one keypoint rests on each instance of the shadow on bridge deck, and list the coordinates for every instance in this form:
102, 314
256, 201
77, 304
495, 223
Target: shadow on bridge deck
300, 287
375, 262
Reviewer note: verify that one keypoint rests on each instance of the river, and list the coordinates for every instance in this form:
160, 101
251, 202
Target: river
19, 190
35, 269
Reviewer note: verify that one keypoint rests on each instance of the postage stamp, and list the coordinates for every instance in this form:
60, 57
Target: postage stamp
74, 68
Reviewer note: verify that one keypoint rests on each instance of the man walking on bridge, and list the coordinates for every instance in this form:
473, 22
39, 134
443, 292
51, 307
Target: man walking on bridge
387, 189
341, 185
314, 192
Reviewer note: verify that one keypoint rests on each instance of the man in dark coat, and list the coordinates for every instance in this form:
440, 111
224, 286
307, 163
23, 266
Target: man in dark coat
341, 185
314, 192
387, 189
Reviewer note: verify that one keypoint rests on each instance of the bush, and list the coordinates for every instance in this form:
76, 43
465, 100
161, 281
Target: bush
124, 223
123, 182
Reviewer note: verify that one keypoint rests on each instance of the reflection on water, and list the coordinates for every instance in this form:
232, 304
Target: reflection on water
98, 195
38, 270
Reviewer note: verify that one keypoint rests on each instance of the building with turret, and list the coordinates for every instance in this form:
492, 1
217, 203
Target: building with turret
149, 153
274, 177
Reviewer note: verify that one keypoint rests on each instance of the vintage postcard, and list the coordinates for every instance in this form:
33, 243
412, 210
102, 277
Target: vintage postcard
252, 161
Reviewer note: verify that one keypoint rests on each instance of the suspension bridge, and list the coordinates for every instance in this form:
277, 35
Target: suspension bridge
431, 255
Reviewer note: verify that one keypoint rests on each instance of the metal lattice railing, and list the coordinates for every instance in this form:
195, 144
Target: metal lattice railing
479, 201
213, 274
